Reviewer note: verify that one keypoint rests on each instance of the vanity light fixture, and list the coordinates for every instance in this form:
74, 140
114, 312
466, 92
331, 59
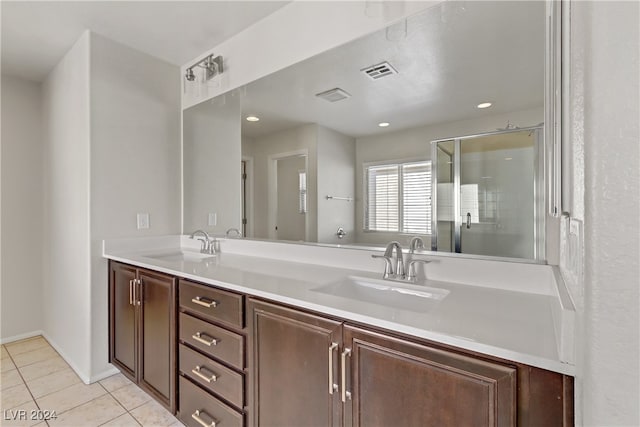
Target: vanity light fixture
383, 124
212, 67
484, 105
253, 118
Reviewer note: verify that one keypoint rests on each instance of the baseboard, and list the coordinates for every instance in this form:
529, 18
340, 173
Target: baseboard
20, 337
84, 377
105, 374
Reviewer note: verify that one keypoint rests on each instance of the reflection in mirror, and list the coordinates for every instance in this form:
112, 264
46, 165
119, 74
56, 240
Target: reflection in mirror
485, 190
366, 183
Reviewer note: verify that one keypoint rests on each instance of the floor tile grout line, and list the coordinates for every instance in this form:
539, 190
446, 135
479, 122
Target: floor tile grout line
107, 392
24, 382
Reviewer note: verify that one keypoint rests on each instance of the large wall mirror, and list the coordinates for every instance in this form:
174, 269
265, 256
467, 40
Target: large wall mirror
386, 138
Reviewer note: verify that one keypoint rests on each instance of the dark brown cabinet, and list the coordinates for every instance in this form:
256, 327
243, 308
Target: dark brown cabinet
294, 360
397, 382
310, 370
291, 367
142, 321
212, 356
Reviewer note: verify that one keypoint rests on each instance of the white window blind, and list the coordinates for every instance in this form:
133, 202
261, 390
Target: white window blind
398, 197
302, 187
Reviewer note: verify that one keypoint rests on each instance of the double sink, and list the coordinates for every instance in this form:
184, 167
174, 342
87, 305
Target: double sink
401, 295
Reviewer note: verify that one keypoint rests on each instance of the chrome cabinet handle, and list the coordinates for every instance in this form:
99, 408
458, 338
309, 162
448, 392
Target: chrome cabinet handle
468, 220
137, 291
345, 394
198, 372
203, 423
131, 292
198, 336
203, 302
332, 386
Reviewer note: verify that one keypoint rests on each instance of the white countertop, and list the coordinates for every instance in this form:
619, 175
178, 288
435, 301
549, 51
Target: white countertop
506, 323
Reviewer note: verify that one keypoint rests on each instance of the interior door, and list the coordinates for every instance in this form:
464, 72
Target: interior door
290, 218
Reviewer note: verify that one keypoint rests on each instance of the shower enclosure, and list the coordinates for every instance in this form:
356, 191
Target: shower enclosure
488, 194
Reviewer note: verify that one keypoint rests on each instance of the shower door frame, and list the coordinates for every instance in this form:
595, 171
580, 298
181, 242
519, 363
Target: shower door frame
539, 192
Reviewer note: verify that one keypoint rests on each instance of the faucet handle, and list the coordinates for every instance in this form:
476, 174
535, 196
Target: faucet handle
205, 245
412, 268
388, 265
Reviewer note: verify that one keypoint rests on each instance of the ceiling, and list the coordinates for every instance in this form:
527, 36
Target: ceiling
36, 35
454, 56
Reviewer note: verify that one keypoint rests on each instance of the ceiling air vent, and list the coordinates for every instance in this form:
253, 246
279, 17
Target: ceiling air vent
379, 71
333, 95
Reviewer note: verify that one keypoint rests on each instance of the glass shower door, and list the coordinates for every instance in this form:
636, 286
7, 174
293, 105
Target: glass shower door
491, 184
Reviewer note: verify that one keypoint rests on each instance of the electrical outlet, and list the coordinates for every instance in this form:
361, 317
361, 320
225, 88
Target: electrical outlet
143, 221
213, 219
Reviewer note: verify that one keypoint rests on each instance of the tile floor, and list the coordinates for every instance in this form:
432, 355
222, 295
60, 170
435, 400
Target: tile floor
36, 380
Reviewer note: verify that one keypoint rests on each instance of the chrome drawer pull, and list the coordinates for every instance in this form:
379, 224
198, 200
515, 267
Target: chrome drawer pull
198, 372
332, 386
199, 336
345, 394
204, 302
203, 423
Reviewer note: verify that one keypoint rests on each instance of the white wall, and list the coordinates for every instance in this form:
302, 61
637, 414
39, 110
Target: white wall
67, 249
336, 155
135, 162
22, 205
295, 32
303, 137
415, 143
603, 132
212, 156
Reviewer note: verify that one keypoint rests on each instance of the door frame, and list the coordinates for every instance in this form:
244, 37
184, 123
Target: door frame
272, 192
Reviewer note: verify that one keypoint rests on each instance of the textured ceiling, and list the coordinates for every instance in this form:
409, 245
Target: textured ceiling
35, 35
454, 56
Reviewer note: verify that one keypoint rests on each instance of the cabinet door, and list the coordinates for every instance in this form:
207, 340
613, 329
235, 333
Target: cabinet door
291, 355
122, 319
158, 335
395, 382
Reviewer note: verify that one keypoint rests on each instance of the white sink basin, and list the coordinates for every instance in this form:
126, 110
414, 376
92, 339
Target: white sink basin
182, 256
387, 293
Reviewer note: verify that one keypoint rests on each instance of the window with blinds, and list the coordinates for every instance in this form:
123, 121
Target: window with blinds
302, 192
398, 197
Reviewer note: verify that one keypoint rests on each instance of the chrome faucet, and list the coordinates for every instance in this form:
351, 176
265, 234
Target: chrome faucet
235, 231
398, 273
416, 243
208, 244
389, 270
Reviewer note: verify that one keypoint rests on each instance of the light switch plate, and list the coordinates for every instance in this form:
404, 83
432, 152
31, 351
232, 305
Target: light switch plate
213, 218
143, 221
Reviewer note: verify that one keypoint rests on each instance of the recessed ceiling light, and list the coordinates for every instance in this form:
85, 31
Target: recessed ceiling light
484, 105
253, 118
508, 158
383, 124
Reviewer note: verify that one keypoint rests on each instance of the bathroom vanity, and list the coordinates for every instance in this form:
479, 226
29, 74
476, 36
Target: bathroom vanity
237, 339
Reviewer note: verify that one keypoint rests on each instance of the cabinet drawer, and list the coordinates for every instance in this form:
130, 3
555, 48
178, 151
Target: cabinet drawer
212, 340
212, 376
211, 303
198, 408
